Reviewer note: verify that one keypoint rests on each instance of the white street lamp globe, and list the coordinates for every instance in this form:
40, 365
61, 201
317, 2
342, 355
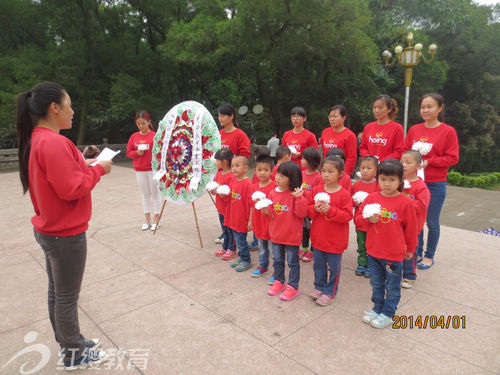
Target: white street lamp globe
418, 47
432, 48
410, 36
387, 54
398, 49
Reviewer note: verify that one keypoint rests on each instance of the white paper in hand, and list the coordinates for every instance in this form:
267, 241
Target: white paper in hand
106, 154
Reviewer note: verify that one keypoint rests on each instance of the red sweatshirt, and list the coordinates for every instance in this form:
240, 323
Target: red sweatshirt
238, 212
309, 181
384, 141
60, 184
260, 222
222, 202
395, 234
368, 187
346, 183
286, 215
330, 231
444, 152
300, 141
421, 197
237, 141
345, 140
273, 172
141, 163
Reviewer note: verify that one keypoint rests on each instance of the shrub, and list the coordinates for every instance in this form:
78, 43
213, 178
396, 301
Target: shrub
473, 180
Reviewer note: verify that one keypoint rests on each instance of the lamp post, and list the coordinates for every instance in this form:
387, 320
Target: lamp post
409, 58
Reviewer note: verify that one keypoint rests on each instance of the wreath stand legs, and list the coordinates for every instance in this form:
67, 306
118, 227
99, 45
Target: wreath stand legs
161, 213
197, 226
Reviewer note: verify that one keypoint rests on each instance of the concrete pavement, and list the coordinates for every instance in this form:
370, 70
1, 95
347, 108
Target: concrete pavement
163, 305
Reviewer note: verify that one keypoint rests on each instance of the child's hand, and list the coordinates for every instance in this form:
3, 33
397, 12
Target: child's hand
408, 256
425, 163
213, 192
317, 206
298, 192
325, 207
265, 211
140, 152
250, 226
373, 219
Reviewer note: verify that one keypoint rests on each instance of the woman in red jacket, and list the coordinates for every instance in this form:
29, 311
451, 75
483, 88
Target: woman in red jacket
438, 144
59, 181
231, 136
383, 138
139, 148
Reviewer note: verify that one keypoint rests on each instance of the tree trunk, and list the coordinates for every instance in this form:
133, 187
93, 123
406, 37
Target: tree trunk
82, 126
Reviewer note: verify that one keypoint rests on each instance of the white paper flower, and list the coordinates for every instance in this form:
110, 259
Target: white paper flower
258, 195
322, 197
359, 196
423, 147
142, 147
223, 190
407, 184
212, 185
293, 150
358, 173
371, 209
263, 203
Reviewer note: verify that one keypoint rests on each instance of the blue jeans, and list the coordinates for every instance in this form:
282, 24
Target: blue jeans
228, 242
292, 256
386, 285
328, 285
263, 253
255, 243
409, 267
438, 193
241, 242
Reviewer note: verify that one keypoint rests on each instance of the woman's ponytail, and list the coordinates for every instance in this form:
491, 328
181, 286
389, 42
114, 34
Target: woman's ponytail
31, 106
394, 109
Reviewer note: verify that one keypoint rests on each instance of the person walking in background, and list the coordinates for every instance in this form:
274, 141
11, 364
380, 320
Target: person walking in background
439, 148
59, 181
139, 148
383, 138
272, 144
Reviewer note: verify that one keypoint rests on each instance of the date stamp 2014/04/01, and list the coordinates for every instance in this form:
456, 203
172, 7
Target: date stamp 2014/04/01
428, 321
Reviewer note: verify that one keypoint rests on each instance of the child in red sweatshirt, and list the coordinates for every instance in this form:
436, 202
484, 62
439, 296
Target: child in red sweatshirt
311, 160
223, 159
362, 188
391, 238
238, 216
260, 222
289, 207
330, 208
416, 189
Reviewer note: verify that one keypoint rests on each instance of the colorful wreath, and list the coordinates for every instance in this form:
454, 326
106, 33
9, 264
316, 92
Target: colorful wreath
183, 149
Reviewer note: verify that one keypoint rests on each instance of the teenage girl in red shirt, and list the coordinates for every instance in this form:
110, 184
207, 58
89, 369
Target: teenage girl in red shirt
139, 148
299, 138
231, 136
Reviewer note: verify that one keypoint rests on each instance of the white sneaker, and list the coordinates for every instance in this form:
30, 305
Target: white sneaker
407, 283
369, 316
145, 226
381, 321
155, 226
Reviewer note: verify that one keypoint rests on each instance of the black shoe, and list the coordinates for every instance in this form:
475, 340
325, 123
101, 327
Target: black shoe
91, 344
90, 358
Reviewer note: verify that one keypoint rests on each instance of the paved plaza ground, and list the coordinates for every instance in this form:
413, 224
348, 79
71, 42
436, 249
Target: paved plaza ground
190, 313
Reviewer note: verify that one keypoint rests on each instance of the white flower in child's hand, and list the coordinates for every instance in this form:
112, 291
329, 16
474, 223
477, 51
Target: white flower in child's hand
293, 150
263, 203
371, 209
407, 184
212, 185
423, 147
223, 190
258, 195
322, 197
359, 196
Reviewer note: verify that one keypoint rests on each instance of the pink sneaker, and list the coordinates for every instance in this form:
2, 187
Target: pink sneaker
301, 253
324, 300
316, 293
290, 293
308, 256
220, 252
276, 289
228, 255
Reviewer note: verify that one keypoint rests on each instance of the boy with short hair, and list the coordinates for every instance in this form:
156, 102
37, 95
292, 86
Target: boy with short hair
283, 154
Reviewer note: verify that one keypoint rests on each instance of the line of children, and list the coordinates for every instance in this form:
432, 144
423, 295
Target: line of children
391, 237
311, 160
329, 230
